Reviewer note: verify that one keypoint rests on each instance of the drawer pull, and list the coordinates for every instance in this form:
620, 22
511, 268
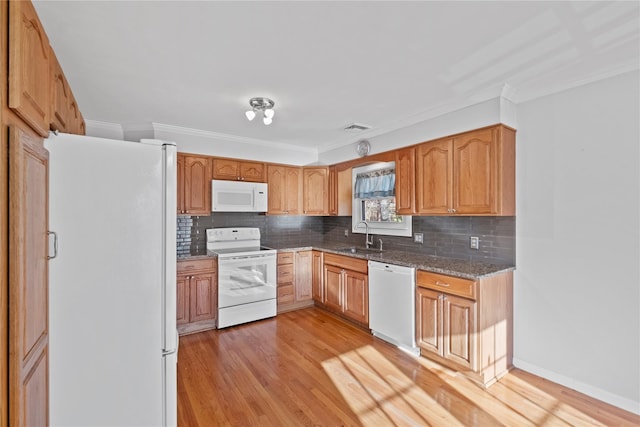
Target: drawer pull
439, 283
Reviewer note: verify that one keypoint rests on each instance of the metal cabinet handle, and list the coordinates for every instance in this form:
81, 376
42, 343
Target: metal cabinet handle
439, 283
55, 244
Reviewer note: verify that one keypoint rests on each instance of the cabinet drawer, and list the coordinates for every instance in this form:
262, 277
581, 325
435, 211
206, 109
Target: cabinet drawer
349, 263
285, 258
447, 284
285, 294
285, 273
196, 265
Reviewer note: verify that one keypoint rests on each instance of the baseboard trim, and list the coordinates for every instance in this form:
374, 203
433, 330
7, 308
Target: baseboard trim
589, 390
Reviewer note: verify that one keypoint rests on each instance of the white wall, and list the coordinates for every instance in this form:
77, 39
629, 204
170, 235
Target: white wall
577, 283
490, 112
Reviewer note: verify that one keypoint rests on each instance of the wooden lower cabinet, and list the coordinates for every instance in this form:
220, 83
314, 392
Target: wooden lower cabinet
466, 324
317, 281
197, 295
294, 280
346, 287
28, 362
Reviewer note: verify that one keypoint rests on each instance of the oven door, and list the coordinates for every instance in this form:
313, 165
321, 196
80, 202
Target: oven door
246, 278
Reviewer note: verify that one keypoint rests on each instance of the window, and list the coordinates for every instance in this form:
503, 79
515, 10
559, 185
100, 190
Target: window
374, 201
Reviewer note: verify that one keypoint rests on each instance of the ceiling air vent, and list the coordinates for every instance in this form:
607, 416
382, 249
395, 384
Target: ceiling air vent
356, 127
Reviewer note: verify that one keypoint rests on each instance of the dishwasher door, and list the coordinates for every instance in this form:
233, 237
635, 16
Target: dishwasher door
392, 309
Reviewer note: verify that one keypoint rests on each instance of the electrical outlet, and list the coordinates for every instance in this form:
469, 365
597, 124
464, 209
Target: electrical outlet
417, 238
474, 242
346, 232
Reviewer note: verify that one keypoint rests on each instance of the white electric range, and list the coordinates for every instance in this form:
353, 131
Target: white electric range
247, 287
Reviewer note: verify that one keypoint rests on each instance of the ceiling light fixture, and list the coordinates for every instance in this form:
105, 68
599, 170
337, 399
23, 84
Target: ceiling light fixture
261, 104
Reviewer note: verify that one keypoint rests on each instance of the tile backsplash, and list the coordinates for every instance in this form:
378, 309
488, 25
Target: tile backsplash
446, 236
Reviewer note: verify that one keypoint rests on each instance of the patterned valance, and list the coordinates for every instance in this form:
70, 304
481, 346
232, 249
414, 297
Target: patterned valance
379, 183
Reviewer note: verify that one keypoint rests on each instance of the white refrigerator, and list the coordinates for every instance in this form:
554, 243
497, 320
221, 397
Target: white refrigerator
112, 297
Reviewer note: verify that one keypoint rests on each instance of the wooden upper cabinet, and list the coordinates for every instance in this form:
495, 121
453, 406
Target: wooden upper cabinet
29, 78
234, 170
470, 174
333, 191
434, 175
475, 172
285, 190
62, 102
405, 181
315, 188
345, 192
180, 183
76, 124
194, 185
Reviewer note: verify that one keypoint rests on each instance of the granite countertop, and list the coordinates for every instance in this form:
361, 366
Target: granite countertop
453, 267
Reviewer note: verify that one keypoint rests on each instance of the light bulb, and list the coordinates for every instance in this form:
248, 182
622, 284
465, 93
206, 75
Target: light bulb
269, 113
267, 121
250, 114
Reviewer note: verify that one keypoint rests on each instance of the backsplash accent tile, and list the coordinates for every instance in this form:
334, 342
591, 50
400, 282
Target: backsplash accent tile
288, 230
443, 236
183, 235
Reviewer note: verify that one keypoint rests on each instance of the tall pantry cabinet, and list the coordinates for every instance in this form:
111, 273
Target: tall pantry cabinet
37, 98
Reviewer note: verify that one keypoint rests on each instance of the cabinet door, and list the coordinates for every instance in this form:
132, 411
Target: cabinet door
197, 188
333, 191
29, 281
317, 283
277, 195
429, 320
61, 99
356, 296
285, 190
345, 192
252, 171
405, 181
226, 169
475, 173
315, 191
180, 183
29, 79
202, 298
333, 287
293, 190
434, 175
182, 300
459, 331
303, 266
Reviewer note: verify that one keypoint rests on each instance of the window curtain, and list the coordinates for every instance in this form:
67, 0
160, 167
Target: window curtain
380, 183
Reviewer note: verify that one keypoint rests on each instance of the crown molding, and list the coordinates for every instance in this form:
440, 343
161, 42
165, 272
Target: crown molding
96, 124
524, 95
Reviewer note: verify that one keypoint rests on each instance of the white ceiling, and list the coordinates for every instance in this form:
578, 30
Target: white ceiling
386, 64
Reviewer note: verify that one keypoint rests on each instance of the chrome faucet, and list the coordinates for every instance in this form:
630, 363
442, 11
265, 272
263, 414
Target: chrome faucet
367, 242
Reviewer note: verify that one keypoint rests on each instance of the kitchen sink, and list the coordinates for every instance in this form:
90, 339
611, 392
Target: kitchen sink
359, 250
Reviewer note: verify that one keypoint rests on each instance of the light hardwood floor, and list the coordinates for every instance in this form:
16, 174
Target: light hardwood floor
308, 368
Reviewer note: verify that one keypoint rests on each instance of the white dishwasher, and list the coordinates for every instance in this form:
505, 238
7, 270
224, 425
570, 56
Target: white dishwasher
392, 307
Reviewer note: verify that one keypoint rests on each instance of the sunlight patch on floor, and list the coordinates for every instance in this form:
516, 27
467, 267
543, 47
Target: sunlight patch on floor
539, 406
380, 394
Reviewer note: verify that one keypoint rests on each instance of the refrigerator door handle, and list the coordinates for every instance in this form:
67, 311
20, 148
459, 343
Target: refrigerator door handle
166, 352
55, 244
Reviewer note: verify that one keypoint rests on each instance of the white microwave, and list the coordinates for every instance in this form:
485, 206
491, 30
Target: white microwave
238, 196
